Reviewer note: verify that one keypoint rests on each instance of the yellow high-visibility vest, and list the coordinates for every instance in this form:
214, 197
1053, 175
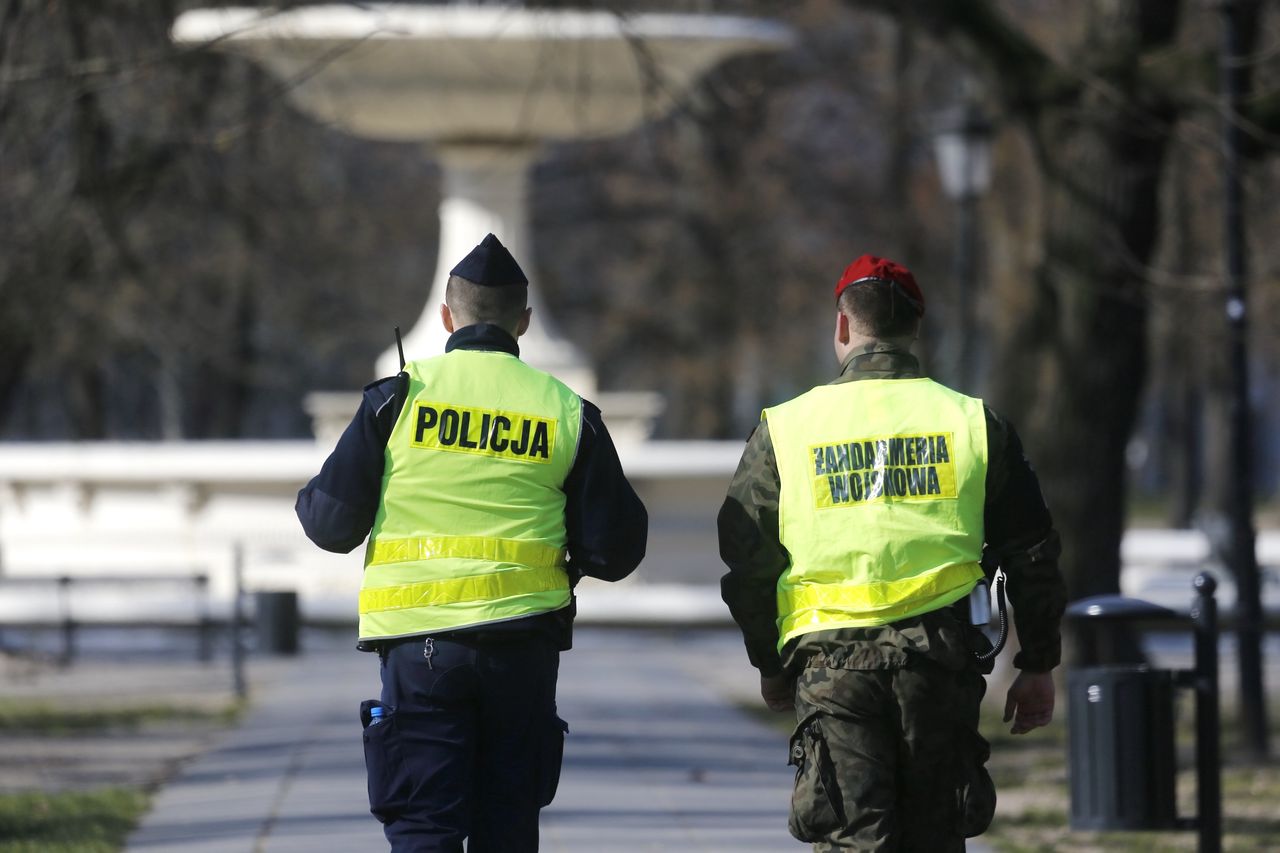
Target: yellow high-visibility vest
470, 525
883, 483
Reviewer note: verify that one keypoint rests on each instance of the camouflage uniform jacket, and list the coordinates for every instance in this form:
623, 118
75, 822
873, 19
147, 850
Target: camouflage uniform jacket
1018, 531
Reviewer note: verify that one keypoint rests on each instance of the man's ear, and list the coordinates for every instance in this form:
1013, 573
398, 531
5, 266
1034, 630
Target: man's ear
446, 317
842, 327
523, 325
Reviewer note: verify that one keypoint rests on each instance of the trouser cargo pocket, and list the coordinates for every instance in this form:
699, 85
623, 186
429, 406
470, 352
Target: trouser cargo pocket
816, 806
389, 784
977, 793
550, 757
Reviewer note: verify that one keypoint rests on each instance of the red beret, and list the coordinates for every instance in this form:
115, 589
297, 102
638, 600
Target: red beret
871, 268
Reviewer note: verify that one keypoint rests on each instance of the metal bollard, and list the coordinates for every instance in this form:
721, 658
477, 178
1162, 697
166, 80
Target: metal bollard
1204, 615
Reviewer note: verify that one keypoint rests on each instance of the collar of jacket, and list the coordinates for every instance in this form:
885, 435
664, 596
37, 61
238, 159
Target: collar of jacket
483, 336
879, 360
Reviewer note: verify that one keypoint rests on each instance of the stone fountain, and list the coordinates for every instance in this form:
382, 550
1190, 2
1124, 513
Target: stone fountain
483, 87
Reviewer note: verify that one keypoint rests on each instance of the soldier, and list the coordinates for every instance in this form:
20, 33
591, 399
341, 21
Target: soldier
854, 531
474, 476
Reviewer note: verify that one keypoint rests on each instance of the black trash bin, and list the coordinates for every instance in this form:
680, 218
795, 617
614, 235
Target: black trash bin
276, 622
1120, 749
1121, 757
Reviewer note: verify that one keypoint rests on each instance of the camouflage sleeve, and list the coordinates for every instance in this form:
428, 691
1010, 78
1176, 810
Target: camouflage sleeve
1019, 531
749, 546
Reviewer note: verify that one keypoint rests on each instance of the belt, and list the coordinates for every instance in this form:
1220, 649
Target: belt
473, 638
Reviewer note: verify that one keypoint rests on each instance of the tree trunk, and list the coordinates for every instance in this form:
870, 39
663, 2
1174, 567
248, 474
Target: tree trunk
1102, 159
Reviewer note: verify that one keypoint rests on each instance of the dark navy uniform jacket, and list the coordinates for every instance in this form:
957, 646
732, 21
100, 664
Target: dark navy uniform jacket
606, 523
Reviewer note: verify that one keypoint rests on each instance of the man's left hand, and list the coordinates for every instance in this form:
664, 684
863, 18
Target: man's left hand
1029, 702
778, 692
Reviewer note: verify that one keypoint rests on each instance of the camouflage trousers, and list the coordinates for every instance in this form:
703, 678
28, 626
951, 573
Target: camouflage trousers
890, 759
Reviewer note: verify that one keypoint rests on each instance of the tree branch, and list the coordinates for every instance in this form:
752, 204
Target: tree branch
1019, 72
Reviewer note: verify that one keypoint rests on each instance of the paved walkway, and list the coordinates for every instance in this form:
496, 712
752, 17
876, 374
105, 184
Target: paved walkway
289, 778
659, 758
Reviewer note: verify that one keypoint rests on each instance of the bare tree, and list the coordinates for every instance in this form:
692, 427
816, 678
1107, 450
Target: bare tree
177, 245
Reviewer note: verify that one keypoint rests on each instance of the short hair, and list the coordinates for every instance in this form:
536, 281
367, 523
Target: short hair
472, 303
879, 309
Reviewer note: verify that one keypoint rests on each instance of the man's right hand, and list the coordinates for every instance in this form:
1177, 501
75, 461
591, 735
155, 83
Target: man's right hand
778, 691
1029, 703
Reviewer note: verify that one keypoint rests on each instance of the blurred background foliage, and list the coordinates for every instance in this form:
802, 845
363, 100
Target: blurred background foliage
184, 255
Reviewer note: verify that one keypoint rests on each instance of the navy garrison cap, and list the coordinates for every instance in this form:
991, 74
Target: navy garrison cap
490, 265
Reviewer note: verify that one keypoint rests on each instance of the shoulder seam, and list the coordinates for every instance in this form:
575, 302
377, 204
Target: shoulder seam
582, 424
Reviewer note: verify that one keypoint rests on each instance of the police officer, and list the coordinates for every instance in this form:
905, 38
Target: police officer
853, 531
486, 489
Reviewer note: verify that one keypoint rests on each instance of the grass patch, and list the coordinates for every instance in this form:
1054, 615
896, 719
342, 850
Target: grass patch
96, 820
50, 720
1033, 814
69, 822
1041, 816
996, 731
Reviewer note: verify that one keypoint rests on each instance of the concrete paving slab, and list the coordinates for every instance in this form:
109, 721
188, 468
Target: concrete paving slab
290, 777
657, 759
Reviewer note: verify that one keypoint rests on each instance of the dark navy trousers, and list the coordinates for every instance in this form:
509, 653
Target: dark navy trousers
470, 744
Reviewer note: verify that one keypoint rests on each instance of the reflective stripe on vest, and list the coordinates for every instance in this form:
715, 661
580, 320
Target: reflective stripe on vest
470, 525
385, 551
881, 505
486, 587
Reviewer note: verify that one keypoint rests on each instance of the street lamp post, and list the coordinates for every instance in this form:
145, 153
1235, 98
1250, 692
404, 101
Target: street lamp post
1240, 547
962, 144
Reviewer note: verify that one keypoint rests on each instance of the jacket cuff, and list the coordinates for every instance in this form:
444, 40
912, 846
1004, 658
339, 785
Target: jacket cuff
1036, 663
